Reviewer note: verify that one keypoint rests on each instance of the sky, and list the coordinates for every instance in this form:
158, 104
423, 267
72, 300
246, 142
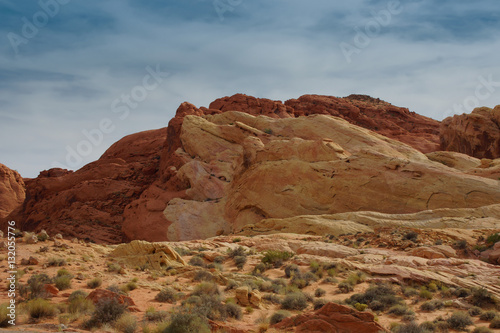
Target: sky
76, 76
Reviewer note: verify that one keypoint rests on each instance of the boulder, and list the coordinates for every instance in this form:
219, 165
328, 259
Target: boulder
332, 318
99, 294
156, 256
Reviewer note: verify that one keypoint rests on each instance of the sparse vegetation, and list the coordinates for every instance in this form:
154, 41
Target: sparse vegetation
378, 297
56, 262
107, 310
126, 323
166, 295
278, 316
294, 301
197, 261
459, 320
276, 258
94, 283
187, 322
41, 308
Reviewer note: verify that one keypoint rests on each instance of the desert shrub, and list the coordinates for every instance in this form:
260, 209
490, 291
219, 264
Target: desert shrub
131, 285
399, 310
238, 252
4, 318
231, 284
62, 272
259, 268
166, 295
411, 327
425, 294
482, 329
153, 315
319, 303
207, 306
475, 311
234, 311
278, 316
495, 323
355, 278
77, 294
56, 262
291, 270
219, 259
488, 315
80, 305
206, 288
240, 261
94, 283
63, 282
360, 307
126, 323
276, 258
330, 279
294, 301
203, 275
432, 305
36, 285
378, 297
310, 277
409, 292
275, 299
196, 261
41, 308
493, 238
319, 292
187, 323
107, 310
411, 236
459, 320
428, 326
482, 297
461, 292
345, 287
461, 244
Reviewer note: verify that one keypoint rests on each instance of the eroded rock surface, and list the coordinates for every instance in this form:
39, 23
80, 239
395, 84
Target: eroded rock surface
12, 190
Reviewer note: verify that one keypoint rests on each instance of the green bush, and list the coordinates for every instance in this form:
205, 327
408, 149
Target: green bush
411, 236
36, 285
203, 275
278, 316
107, 310
94, 283
475, 311
166, 295
234, 311
276, 258
77, 294
291, 270
345, 287
425, 294
319, 303
4, 318
187, 323
488, 315
238, 252
495, 323
80, 305
319, 292
294, 301
240, 261
482, 297
400, 310
360, 307
197, 261
459, 320
56, 262
493, 238
40, 308
63, 282
63, 272
272, 298
378, 297
411, 327
126, 323
206, 288
231, 284
219, 259
432, 305
155, 316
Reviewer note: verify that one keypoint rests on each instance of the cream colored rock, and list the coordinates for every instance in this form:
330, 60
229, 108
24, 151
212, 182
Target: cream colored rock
156, 256
241, 295
255, 298
426, 252
327, 250
455, 160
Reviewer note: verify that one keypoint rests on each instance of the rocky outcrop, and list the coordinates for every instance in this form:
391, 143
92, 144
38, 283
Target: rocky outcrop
243, 169
332, 318
157, 256
89, 203
476, 134
12, 190
487, 217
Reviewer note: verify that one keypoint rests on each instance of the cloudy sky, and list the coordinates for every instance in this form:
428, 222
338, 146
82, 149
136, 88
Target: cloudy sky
70, 70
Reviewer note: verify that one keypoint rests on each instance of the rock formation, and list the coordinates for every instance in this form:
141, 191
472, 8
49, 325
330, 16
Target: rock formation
12, 190
214, 171
332, 318
476, 134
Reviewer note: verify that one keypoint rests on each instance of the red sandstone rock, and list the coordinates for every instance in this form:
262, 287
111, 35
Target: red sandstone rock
51, 290
98, 294
476, 134
332, 318
12, 190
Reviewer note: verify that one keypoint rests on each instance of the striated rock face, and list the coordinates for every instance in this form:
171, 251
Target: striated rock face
12, 190
332, 318
476, 134
394, 122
